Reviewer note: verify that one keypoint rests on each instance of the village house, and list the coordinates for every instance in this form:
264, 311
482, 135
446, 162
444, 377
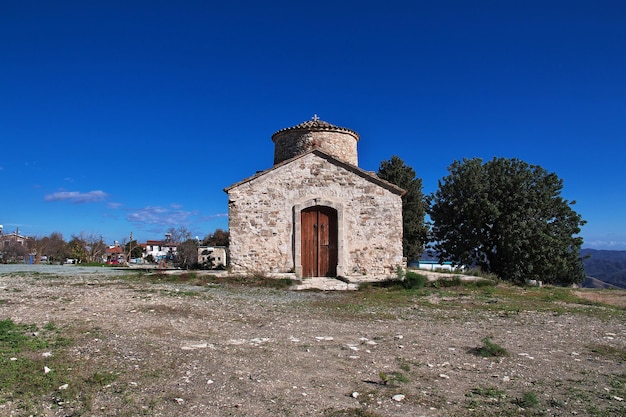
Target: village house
315, 212
12, 238
212, 256
13, 246
160, 250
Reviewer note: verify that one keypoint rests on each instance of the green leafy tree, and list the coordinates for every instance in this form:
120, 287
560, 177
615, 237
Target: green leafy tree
218, 238
414, 229
134, 248
77, 247
508, 218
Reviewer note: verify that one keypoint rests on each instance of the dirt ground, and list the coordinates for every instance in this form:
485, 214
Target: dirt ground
219, 350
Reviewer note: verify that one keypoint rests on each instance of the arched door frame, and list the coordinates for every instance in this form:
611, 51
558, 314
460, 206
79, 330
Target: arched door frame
297, 228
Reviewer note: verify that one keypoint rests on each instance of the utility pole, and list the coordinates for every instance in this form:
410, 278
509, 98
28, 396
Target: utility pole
130, 247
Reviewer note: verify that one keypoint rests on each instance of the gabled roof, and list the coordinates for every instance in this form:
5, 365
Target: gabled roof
114, 249
370, 176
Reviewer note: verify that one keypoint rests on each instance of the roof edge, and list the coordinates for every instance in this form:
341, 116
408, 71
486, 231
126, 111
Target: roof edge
353, 168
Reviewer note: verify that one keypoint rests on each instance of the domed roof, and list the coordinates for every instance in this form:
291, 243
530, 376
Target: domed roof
317, 125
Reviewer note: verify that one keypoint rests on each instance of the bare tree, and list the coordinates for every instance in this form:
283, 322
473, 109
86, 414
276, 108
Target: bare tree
95, 247
54, 247
14, 251
179, 235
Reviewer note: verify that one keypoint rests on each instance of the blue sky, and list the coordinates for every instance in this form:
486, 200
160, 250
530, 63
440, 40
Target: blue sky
133, 116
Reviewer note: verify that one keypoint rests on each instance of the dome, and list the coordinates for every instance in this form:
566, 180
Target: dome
336, 141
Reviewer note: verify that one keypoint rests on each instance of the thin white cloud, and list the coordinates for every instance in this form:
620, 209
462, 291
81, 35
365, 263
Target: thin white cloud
213, 216
77, 197
154, 215
605, 244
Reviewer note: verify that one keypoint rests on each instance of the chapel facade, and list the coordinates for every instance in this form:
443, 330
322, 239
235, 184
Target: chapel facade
315, 212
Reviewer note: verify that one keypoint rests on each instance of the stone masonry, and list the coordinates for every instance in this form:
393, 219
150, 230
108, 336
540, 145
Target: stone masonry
316, 134
264, 216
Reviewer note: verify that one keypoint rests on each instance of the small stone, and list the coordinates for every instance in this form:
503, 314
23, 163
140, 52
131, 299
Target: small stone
444, 376
398, 397
354, 394
179, 401
64, 386
210, 381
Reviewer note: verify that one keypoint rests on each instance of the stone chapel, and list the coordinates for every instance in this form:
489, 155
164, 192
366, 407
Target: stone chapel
315, 212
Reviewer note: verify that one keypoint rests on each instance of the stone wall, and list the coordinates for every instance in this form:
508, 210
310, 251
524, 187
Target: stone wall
263, 217
341, 144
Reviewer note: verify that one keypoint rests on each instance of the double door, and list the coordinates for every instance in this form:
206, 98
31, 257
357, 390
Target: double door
319, 242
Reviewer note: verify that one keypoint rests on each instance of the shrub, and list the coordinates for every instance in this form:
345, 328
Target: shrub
447, 282
528, 400
413, 281
490, 349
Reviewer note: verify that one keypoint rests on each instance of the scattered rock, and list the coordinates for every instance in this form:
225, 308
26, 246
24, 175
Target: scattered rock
398, 397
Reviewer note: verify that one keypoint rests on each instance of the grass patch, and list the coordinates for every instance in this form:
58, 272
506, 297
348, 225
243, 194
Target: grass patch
38, 373
390, 379
193, 278
610, 351
527, 400
26, 371
489, 349
487, 392
349, 412
101, 378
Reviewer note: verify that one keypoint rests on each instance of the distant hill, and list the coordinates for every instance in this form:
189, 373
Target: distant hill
607, 266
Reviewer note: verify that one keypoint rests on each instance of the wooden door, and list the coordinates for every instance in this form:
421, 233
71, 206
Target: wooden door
319, 242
